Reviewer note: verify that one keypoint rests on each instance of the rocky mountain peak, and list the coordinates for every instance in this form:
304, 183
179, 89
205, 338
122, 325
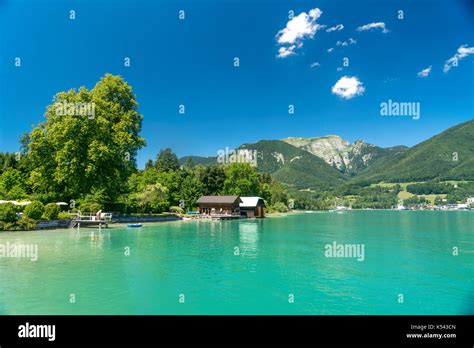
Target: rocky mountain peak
338, 152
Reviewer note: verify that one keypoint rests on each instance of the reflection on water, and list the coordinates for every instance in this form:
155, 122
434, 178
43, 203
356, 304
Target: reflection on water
95, 237
248, 237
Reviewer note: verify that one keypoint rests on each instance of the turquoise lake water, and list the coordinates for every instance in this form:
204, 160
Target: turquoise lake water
279, 259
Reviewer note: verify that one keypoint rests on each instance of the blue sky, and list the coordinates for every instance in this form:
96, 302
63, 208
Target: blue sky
191, 62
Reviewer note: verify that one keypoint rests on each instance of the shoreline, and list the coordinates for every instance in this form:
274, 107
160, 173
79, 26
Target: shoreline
55, 225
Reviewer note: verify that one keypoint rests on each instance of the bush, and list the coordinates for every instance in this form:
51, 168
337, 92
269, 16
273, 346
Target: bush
20, 208
44, 197
64, 215
8, 213
34, 210
90, 207
25, 224
51, 211
11, 226
415, 201
278, 207
93, 202
176, 209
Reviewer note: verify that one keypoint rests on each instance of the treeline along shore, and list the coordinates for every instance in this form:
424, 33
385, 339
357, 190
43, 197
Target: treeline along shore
76, 163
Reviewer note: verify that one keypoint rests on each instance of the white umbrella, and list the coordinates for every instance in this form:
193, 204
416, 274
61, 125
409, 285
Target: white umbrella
21, 203
15, 202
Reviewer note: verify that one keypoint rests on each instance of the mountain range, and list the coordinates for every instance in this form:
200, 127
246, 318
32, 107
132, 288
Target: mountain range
329, 161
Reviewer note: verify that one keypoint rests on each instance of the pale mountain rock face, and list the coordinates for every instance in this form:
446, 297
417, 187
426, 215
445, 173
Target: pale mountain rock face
295, 158
279, 157
338, 152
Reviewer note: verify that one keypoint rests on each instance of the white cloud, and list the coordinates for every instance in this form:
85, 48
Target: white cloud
371, 26
339, 68
425, 72
338, 27
314, 64
346, 43
296, 30
348, 87
462, 52
330, 49
300, 27
284, 52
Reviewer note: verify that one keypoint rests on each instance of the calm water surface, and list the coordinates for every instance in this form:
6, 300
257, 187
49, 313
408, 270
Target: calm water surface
409, 253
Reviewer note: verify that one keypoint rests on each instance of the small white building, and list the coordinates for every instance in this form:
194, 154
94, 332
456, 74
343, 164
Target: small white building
470, 200
252, 207
400, 206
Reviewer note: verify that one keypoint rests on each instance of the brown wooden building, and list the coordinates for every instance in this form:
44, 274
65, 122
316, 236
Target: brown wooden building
216, 205
252, 207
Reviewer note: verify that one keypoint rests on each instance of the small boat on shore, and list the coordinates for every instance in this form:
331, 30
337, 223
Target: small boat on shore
134, 225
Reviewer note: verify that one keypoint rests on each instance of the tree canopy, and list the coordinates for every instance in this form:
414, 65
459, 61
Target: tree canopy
166, 160
74, 154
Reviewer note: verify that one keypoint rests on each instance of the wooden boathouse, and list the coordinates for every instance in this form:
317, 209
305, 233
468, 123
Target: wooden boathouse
231, 206
252, 207
219, 205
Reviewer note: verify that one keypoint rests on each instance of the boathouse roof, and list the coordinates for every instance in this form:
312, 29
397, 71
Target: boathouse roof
219, 199
250, 202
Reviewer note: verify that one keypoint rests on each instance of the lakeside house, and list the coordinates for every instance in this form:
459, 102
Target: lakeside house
219, 205
252, 207
232, 205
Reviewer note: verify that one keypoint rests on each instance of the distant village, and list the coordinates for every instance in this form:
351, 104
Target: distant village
468, 205
447, 206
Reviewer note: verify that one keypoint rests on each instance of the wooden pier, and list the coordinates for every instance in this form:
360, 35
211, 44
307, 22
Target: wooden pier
214, 217
227, 216
88, 220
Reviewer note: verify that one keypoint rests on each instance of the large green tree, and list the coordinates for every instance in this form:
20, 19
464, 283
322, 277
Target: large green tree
7, 160
12, 184
166, 160
75, 153
278, 193
212, 178
241, 179
190, 191
172, 180
153, 198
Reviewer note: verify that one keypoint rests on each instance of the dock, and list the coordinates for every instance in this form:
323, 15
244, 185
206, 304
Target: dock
214, 217
90, 220
227, 216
